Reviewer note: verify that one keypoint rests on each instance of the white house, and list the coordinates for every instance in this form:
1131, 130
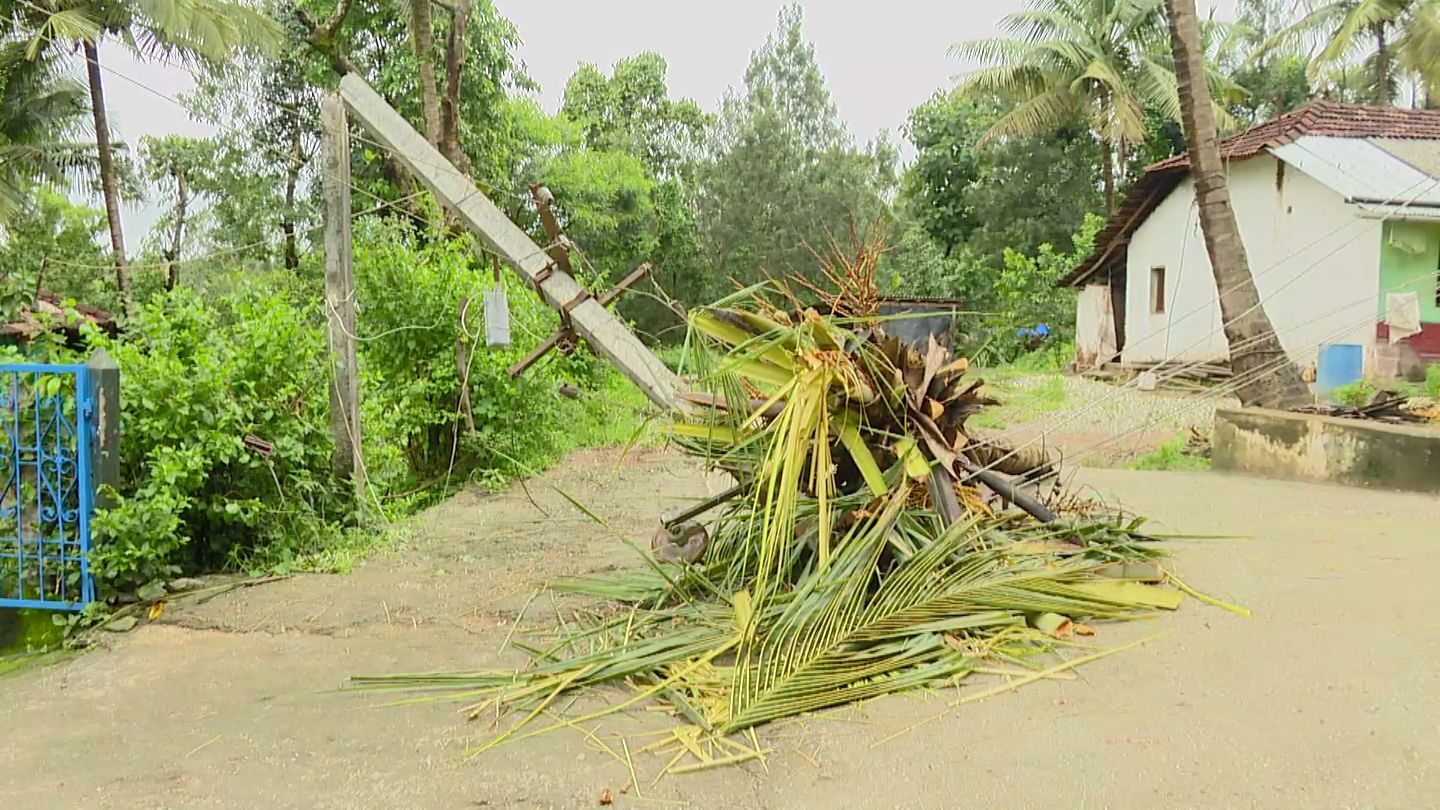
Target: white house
1339, 209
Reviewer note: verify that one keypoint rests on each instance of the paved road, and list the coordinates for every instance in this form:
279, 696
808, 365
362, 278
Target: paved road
1329, 697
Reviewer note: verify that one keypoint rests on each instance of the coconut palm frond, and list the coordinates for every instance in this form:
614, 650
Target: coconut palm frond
1155, 83
1418, 47
1060, 49
1357, 27
1038, 115
80, 24
41, 110
842, 571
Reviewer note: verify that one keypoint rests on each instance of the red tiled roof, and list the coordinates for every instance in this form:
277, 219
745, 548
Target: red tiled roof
1319, 117
27, 325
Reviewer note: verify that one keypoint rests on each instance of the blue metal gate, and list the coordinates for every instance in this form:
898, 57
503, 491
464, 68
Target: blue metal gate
46, 485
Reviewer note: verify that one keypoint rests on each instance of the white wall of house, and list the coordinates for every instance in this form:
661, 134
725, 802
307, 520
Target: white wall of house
1316, 264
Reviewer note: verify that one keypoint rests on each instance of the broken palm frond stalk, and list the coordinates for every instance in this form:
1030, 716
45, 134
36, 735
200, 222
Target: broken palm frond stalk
849, 564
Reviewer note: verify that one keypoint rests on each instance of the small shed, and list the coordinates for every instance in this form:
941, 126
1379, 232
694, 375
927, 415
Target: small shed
918, 318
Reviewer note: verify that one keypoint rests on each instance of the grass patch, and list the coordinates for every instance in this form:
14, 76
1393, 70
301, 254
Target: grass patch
618, 414
1024, 396
29, 638
11, 664
1359, 393
1171, 456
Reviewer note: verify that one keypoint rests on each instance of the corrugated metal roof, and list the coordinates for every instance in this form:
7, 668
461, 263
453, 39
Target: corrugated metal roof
928, 300
1360, 171
1411, 213
1423, 155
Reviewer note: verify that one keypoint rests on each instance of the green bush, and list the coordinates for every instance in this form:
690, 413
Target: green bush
200, 374
1432, 379
409, 323
196, 379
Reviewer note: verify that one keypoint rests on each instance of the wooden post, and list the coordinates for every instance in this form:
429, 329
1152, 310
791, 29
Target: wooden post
105, 461
349, 465
462, 367
604, 332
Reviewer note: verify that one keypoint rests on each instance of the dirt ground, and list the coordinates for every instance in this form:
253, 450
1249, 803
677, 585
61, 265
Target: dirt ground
1328, 697
1104, 425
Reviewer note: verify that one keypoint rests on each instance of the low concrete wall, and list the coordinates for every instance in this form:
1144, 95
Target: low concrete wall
1307, 447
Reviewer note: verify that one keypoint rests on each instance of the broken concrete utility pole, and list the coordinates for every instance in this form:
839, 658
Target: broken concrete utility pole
601, 329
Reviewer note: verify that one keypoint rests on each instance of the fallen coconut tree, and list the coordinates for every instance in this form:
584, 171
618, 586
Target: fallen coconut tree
868, 547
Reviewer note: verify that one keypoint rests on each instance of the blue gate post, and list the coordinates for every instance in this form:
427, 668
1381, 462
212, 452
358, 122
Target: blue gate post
104, 400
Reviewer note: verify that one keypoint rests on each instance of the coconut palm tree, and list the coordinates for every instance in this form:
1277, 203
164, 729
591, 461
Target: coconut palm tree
1264, 377
187, 29
1389, 37
42, 112
1100, 62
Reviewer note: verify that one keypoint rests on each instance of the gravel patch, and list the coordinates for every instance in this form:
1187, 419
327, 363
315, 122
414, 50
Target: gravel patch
1102, 423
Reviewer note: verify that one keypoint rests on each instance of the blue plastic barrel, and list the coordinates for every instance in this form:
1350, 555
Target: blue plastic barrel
1339, 364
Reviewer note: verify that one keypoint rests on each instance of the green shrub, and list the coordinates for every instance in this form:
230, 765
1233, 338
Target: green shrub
1050, 358
196, 380
1356, 394
1432, 379
200, 374
409, 326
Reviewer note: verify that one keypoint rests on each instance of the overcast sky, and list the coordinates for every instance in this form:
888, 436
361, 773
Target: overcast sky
880, 59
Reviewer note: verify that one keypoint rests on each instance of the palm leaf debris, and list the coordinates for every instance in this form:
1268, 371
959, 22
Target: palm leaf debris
869, 546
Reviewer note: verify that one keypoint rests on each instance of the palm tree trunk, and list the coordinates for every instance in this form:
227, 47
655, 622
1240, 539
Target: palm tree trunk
1382, 66
109, 183
172, 256
1264, 375
1107, 175
287, 224
421, 35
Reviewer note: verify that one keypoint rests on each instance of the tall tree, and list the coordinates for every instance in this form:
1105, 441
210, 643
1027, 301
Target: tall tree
204, 29
479, 67
630, 116
42, 110
1018, 193
1388, 37
183, 167
263, 160
422, 42
1068, 62
631, 111
1263, 373
785, 176
1276, 80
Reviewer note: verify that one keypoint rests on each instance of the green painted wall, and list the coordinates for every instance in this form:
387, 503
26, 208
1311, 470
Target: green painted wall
1405, 271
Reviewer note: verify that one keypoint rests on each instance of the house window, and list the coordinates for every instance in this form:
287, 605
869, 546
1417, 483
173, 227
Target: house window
1157, 290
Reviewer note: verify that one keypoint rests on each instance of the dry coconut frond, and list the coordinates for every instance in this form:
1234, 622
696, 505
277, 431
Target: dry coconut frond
832, 575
